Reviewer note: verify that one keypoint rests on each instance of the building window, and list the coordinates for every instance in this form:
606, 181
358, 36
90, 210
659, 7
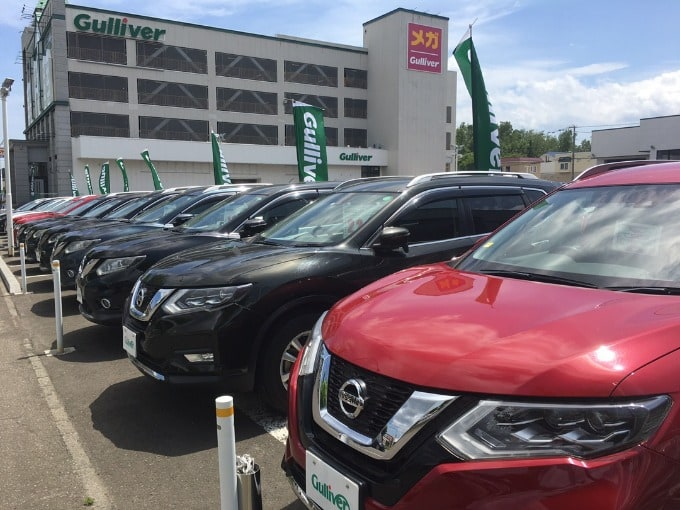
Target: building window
172, 58
356, 138
356, 78
100, 124
449, 114
370, 171
668, 154
96, 48
312, 74
328, 104
448, 141
331, 135
98, 87
356, 108
163, 93
564, 166
258, 134
247, 101
163, 128
248, 68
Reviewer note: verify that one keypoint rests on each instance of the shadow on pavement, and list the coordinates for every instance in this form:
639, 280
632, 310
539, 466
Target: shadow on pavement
45, 308
142, 415
93, 344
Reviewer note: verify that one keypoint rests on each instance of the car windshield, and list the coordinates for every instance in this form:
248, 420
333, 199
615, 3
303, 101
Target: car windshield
617, 237
164, 212
103, 207
130, 207
222, 213
328, 221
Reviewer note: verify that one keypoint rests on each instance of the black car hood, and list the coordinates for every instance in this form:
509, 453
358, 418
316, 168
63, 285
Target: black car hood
154, 244
222, 262
107, 230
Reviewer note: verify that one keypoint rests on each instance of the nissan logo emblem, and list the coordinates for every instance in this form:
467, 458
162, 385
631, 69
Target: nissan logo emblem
352, 396
139, 299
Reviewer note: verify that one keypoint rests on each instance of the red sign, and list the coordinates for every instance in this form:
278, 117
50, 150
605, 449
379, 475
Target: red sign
424, 48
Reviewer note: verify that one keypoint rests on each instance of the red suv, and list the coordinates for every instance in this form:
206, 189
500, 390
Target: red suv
538, 371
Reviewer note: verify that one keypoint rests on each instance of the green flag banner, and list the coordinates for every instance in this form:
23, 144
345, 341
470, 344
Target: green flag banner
74, 186
487, 147
310, 141
104, 180
220, 170
88, 180
157, 184
121, 165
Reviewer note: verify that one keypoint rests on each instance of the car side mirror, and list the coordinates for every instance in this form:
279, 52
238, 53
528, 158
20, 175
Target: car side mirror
392, 238
252, 226
180, 219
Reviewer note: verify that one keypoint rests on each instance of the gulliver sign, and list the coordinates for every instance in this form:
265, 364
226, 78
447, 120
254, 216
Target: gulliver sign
116, 26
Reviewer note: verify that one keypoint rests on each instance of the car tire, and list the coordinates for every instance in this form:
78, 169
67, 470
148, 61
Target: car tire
278, 358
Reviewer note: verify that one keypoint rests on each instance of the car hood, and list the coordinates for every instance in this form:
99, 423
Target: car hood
154, 244
226, 262
108, 229
436, 327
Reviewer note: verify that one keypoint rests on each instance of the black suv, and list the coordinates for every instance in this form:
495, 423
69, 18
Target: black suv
239, 312
110, 269
69, 245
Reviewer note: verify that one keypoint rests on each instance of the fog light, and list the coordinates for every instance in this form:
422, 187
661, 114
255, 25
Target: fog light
106, 304
200, 358
71, 273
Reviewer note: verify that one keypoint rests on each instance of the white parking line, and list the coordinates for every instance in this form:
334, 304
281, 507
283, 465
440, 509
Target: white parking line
91, 482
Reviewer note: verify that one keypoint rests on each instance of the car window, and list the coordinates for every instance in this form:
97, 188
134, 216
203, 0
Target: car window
431, 221
606, 236
279, 211
329, 220
204, 205
222, 213
491, 211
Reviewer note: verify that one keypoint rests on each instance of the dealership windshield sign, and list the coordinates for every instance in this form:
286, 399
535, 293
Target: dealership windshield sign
116, 26
424, 48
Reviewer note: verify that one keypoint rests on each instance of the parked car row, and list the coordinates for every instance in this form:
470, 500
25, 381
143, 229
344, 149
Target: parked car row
538, 370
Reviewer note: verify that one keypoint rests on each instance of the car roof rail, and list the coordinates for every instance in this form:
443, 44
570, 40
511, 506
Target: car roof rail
617, 165
469, 173
357, 180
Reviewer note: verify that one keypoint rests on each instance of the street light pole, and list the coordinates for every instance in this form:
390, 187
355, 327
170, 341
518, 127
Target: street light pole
4, 92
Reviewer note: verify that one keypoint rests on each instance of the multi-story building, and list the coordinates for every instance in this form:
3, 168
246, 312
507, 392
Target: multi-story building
101, 85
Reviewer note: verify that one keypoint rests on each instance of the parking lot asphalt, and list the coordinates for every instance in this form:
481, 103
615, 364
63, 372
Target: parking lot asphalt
86, 429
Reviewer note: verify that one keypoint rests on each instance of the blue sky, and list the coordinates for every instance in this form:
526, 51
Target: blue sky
547, 64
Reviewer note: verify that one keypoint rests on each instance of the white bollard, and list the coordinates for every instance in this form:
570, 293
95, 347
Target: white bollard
56, 273
226, 450
22, 258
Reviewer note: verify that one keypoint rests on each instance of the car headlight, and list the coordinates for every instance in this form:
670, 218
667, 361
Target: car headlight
36, 234
193, 300
310, 354
495, 429
74, 246
112, 265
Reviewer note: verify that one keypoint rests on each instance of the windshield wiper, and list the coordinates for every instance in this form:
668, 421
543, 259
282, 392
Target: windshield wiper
523, 275
670, 291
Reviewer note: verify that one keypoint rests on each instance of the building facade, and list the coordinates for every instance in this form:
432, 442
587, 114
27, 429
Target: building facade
102, 85
654, 138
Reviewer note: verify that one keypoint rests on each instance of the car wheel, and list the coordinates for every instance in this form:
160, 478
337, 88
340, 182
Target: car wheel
280, 355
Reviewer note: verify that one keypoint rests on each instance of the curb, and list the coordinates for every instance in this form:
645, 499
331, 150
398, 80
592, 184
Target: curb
11, 283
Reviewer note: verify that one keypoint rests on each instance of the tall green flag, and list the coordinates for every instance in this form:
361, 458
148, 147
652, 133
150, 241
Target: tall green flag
121, 165
487, 147
74, 186
104, 180
220, 170
310, 141
157, 184
88, 180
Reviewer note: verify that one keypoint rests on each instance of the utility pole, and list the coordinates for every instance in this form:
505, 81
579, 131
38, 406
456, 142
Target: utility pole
573, 149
